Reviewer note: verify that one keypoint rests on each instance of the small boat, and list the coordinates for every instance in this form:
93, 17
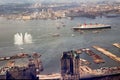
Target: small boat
56, 35
73, 35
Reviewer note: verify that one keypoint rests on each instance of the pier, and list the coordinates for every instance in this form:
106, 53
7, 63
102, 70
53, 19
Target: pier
55, 76
18, 56
84, 62
116, 45
78, 51
96, 58
107, 53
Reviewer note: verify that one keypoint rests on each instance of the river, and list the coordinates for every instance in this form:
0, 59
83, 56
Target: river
50, 47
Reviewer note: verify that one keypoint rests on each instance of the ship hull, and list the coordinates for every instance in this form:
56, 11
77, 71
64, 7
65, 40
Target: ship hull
79, 28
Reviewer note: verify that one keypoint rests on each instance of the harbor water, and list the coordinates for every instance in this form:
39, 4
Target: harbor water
51, 47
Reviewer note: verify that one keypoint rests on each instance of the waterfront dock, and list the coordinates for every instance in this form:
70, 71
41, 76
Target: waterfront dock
107, 53
116, 45
83, 62
78, 51
96, 58
55, 76
18, 56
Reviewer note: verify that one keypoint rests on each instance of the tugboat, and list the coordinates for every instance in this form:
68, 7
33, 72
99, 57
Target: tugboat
91, 26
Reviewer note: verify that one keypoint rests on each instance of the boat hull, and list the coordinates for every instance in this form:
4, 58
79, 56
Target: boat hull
79, 28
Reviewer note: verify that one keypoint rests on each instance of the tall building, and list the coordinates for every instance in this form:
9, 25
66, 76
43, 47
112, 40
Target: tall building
70, 65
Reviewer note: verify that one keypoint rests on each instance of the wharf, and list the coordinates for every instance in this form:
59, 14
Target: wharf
116, 45
18, 56
78, 51
84, 62
55, 76
97, 59
107, 53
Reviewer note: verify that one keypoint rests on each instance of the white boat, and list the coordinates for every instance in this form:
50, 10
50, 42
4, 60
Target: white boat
91, 26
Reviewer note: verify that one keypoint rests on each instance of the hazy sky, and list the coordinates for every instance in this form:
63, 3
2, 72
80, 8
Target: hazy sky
25, 1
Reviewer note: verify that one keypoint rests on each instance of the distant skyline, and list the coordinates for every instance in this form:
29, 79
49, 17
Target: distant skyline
31, 1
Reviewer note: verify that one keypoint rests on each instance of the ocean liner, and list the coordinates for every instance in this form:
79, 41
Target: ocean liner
91, 26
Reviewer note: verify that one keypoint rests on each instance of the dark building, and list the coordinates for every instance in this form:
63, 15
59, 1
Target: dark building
22, 73
28, 72
70, 65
